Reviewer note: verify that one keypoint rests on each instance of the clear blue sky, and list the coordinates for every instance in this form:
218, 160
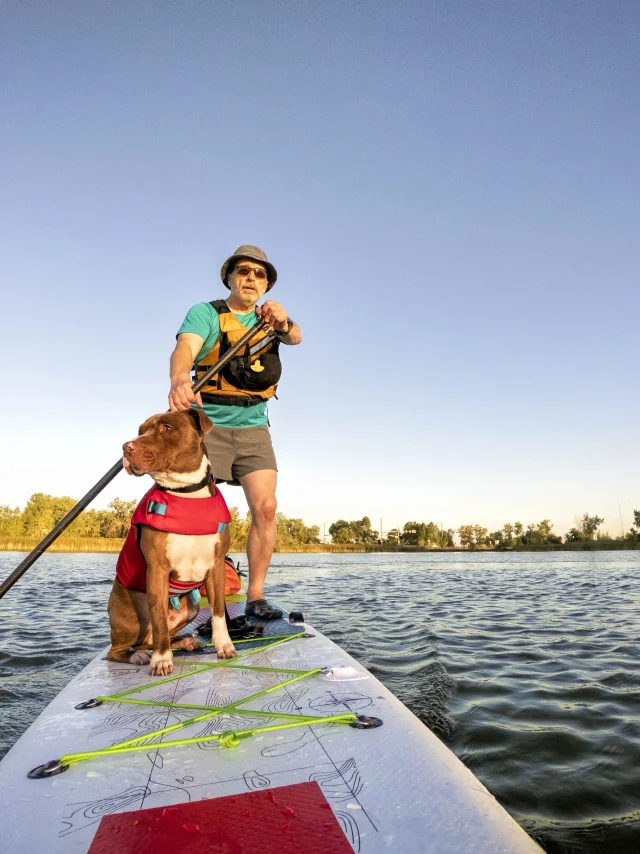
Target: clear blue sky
449, 192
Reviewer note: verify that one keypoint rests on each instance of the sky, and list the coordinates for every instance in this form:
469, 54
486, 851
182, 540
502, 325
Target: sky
449, 192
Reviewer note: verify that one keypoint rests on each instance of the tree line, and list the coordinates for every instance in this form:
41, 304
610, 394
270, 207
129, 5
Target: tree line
514, 534
426, 534
289, 532
43, 511
511, 535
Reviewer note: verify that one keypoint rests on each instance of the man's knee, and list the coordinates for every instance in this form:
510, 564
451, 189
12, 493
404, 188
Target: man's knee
264, 512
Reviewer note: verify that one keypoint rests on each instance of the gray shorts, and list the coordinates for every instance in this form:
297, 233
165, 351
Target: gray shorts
236, 451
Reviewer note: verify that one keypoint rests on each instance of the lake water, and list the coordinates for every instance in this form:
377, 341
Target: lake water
526, 665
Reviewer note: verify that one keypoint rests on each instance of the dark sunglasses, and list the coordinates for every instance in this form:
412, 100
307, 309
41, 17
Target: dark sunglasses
244, 270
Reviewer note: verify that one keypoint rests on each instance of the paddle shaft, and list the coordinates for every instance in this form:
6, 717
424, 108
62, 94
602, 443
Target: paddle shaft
84, 502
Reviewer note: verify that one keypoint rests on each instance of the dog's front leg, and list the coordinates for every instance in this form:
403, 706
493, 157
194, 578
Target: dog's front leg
214, 585
153, 547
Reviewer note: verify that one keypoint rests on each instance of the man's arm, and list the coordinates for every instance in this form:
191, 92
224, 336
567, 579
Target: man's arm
277, 318
293, 336
181, 394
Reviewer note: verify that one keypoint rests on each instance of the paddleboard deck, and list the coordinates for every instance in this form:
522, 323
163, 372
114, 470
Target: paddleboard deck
392, 787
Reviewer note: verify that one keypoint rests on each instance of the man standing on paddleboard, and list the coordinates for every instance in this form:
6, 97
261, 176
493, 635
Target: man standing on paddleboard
239, 446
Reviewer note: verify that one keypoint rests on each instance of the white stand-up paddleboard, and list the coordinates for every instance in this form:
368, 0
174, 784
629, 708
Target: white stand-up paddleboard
292, 747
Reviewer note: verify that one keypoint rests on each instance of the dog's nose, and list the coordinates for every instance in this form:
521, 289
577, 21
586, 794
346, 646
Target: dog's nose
127, 447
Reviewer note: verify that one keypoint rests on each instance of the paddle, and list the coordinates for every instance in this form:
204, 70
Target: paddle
64, 523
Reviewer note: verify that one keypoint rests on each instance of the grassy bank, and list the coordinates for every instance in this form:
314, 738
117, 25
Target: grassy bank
583, 546
114, 544
63, 544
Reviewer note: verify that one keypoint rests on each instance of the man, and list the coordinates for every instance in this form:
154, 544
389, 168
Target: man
239, 446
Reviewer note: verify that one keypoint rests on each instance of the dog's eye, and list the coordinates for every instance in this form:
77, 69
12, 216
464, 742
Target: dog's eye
165, 427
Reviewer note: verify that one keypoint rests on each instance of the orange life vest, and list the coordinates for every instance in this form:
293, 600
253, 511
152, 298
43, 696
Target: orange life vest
251, 376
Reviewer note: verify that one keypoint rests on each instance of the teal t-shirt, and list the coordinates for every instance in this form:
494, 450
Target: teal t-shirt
202, 319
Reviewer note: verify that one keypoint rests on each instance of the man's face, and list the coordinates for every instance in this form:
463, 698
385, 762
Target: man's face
248, 281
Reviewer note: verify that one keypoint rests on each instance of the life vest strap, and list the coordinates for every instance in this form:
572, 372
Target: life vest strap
231, 399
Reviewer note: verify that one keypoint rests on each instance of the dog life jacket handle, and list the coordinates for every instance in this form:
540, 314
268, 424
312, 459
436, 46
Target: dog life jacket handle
115, 469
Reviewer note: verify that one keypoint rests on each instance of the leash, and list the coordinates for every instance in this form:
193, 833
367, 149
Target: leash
115, 469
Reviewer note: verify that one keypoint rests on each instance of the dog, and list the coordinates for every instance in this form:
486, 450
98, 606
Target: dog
178, 539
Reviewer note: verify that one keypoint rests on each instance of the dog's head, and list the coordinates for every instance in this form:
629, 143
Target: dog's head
169, 443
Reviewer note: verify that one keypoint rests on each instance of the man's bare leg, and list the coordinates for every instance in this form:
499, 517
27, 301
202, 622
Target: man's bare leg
260, 492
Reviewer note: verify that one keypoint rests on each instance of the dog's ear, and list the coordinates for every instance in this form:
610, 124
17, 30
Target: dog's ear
201, 420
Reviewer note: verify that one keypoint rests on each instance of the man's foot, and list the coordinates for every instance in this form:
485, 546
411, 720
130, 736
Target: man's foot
261, 609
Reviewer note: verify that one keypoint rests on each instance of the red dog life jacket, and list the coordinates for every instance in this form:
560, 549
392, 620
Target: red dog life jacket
175, 515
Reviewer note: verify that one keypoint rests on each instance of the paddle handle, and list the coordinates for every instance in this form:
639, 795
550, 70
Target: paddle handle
84, 502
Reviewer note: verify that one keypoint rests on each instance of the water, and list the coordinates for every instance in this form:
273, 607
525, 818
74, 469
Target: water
526, 665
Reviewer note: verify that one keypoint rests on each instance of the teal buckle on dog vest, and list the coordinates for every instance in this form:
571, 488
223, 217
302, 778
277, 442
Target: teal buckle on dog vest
221, 526
174, 601
157, 507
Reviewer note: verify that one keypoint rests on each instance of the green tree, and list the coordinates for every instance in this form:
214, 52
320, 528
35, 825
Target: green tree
496, 538
586, 529
121, 513
634, 531
446, 538
336, 527
238, 529
11, 522
38, 515
431, 535
413, 534
88, 524
480, 534
290, 532
473, 535
507, 533
465, 532
357, 531
363, 530
589, 525
543, 529
532, 536
427, 535
343, 535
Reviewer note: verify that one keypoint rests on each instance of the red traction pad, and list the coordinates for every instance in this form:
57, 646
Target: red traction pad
289, 820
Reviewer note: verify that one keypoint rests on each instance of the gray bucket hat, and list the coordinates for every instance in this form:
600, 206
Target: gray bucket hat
252, 253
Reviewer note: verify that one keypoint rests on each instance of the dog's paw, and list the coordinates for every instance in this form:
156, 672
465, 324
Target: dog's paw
140, 656
224, 647
189, 644
161, 664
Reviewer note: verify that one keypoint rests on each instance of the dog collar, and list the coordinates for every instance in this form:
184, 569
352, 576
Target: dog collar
192, 487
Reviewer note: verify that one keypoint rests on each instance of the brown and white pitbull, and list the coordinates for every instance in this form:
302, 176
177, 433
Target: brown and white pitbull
170, 448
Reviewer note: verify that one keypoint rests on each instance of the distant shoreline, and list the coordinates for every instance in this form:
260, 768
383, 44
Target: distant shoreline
106, 545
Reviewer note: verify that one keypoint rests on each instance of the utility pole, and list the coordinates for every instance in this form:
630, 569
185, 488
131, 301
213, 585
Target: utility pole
621, 522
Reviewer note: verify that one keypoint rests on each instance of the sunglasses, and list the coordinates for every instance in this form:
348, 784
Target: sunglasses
244, 270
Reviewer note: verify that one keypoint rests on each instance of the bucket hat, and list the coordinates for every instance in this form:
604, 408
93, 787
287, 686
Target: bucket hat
252, 253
